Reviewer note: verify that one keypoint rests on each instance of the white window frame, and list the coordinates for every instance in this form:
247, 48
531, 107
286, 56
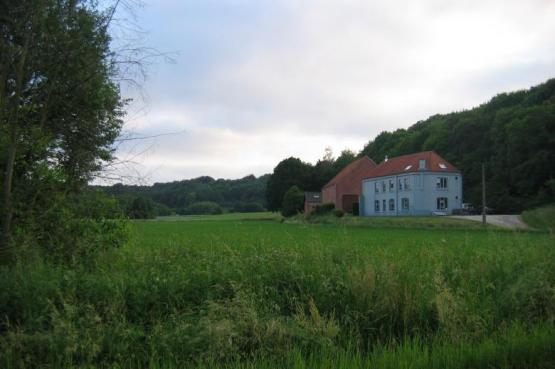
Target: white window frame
376, 206
384, 205
406, 181
391, 185
442, 183
391, 205
405, 205
376, 187
442, 203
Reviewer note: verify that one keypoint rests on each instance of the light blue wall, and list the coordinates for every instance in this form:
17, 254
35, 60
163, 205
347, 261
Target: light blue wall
422, 194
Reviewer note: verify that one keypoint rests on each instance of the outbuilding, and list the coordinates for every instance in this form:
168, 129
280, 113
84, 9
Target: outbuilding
343, 190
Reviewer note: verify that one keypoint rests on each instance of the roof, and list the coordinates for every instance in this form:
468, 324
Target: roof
351, 167
410, 163
314, 197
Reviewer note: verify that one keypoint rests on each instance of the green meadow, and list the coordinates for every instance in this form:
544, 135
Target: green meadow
236, 291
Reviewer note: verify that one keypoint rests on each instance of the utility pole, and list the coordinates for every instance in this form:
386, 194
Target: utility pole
483, 194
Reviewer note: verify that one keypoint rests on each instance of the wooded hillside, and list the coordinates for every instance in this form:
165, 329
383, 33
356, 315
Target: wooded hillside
513, 133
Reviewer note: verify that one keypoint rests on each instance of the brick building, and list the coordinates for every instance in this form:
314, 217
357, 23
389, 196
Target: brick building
344, 189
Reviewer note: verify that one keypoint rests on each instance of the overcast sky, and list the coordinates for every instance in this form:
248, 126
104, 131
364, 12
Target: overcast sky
256, 81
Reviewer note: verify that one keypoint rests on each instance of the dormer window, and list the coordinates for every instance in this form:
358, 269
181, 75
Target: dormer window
442, 166
422, 164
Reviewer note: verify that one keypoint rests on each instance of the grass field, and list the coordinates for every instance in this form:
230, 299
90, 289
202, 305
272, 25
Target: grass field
251, 292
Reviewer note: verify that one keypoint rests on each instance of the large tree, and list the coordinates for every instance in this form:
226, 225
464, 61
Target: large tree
60, 110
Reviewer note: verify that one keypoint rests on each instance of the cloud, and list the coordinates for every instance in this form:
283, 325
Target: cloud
258, 81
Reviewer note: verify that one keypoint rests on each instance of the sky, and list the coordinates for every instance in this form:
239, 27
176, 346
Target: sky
252, 82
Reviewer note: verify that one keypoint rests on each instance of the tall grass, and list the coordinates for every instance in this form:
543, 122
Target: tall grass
264, 294
541, 218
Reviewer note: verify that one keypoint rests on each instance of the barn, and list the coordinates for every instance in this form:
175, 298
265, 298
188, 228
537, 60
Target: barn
344, 189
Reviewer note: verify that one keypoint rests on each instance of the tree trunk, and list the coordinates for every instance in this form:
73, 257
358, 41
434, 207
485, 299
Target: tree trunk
7, 202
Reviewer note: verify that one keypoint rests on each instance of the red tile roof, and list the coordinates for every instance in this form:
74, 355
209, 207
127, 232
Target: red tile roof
350, 168
410, 163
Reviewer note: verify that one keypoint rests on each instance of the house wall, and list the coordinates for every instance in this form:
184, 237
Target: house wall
422, 194
329, 195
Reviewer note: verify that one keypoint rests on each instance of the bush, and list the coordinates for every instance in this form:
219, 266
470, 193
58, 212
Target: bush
141, 208
338, 213
293, 201
202, 208
249, 207
323, 209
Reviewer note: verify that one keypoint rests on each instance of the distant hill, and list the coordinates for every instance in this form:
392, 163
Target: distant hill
513, 133
245, 194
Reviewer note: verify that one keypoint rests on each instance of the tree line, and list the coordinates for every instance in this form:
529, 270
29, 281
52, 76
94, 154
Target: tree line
202, 195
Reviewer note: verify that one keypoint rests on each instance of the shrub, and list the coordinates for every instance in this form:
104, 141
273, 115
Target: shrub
293, 201
338, 213
203, 208
323, 209
249, 207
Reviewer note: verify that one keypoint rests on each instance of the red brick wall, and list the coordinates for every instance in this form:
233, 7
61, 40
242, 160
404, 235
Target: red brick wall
351, 184
329, 195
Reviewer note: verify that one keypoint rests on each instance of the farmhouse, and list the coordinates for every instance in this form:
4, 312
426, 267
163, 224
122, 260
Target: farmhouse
416, 184
343, 190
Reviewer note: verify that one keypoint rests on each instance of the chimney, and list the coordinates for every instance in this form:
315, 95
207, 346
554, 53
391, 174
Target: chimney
386, 158
422, 164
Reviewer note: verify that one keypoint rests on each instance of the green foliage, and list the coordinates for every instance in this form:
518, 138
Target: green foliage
141, 208
294, 172
293, 202
339, 213
265, 294
289, 172
514, 134
245, 194
541, 218
202, 207
248, 207
60, 112
323, 209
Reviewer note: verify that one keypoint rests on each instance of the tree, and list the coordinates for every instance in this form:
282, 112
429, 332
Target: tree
60, 110
293, 201
287, 173
142, 208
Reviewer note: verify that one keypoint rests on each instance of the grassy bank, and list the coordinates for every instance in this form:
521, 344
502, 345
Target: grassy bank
541, 218
249, 293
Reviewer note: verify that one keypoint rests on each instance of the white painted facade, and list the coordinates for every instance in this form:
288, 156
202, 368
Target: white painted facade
415, 193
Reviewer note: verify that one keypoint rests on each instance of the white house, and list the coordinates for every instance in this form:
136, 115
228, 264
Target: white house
416, 184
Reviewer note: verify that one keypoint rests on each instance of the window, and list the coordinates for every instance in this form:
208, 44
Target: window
391, 185
406, 181
441, 182
405, 203
400, 185
383, 186
383, 206
441, 203
376, 187
422, 164
377, 206
391, 205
